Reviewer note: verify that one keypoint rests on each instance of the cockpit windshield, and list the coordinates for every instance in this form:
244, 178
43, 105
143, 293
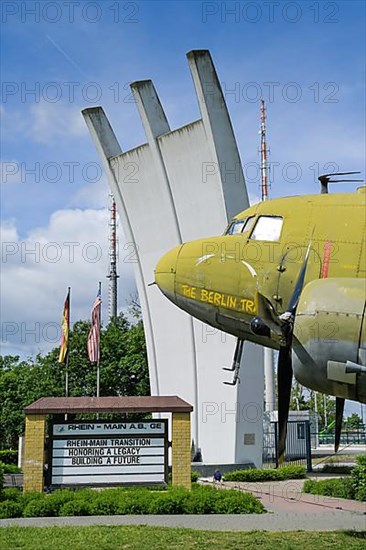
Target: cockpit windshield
235, 227
240, 226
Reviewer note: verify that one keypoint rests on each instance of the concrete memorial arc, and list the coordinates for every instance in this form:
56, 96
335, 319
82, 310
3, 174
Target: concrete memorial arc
186, 184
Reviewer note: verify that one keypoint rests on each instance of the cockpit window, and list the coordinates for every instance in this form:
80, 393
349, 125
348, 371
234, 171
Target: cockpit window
240, 226
235, 227
267, 228
249, 224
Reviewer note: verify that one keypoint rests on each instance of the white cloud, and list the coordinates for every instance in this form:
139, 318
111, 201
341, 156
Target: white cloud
8, 232
43, 122
10, 172
72, 250
93, 195
13, 124
53, 120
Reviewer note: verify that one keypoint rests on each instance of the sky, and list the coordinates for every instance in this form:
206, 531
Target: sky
306, 59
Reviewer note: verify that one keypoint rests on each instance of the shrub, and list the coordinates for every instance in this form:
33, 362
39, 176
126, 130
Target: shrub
135, 501
209, 500
1, 478
11, 469
194, 476
339, 488
10, 509
9, 457
12, 494
203, 500
76, 508
174, 501
359, 478
32, 495
235, 502
292, 472
267, 474
60, 497
335, 469
43, 507
106, 503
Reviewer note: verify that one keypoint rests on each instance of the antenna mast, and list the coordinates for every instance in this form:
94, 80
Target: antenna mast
113, 276
264, 151
269, 372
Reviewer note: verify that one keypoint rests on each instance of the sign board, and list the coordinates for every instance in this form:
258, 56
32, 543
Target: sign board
106, 453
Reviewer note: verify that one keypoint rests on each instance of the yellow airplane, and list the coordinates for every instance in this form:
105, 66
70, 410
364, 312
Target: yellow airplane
288, 274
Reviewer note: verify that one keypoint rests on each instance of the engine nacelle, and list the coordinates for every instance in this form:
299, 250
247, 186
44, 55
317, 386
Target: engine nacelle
329, 343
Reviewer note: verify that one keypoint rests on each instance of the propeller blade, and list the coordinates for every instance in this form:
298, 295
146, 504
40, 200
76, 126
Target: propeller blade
338, 424
294, 300
283, 325
284, 381
267, 313
338, 174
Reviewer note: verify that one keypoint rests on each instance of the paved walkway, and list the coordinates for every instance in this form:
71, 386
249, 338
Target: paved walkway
289, 510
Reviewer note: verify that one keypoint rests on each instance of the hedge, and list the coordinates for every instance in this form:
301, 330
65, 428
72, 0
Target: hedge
9, 457
359, 478
10, 468
194, 476
335, 469
353, 487
1, 479
267, 474
86, 502
340, 488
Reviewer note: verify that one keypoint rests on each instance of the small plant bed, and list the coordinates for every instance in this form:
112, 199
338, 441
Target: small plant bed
352, 487
87, 502
267, 474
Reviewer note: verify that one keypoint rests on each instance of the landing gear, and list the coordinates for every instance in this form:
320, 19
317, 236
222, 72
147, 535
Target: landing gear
235, 367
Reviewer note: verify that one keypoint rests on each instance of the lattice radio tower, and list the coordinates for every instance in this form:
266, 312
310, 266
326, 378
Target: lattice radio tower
264, 152
269, 372
112, 276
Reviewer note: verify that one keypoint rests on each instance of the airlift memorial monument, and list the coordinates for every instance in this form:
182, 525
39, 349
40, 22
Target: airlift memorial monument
180, 185
184, 184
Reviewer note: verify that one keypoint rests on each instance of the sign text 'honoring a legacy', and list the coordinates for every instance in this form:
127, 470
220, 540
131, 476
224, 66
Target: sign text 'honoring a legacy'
107, 453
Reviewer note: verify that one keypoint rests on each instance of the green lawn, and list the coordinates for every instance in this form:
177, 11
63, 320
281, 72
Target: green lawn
152, 538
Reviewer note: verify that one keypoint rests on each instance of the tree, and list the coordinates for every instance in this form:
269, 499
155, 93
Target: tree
354, 422
302, 399
325, 406
299, 400
123, 371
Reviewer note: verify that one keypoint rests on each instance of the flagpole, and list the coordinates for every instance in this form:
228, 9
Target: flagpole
98, 362
67, 352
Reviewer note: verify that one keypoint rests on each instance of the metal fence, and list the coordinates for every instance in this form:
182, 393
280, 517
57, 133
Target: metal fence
353, 437
298, 444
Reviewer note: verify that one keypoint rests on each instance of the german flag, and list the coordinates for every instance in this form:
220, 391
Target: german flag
65, 326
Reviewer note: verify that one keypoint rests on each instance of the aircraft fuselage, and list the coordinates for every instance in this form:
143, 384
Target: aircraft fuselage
251, 270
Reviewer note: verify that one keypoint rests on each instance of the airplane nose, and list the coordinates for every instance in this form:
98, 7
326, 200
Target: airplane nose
165, 271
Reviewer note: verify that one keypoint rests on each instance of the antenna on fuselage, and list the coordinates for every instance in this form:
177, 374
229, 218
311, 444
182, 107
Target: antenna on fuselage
326, 178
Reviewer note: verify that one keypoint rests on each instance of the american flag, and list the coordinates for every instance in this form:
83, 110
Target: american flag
94, 334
